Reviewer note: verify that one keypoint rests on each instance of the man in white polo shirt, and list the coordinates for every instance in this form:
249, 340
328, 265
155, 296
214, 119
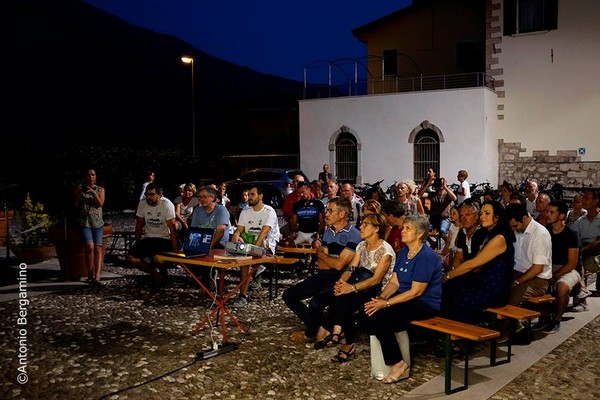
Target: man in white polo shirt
533, 255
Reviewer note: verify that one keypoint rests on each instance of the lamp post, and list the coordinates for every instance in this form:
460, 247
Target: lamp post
190, 60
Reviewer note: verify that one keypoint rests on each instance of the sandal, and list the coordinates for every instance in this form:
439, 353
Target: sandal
344, 356
329, 341
404, 374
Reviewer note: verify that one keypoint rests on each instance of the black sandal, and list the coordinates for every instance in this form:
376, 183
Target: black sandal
344, 356
330, 340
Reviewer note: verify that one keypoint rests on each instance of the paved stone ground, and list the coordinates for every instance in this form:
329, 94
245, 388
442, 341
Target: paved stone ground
124, 341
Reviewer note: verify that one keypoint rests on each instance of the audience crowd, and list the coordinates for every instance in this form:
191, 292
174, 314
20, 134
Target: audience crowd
382, 263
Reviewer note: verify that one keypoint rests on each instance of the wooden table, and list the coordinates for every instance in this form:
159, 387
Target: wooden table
221, 266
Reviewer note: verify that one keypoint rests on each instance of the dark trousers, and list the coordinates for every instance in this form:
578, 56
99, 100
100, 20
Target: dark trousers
346, 306
396, 318
319, 289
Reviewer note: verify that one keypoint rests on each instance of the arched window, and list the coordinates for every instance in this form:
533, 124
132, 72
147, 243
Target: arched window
426, 153
346, 157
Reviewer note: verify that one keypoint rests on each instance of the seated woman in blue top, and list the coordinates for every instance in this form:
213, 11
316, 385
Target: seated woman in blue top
484, 280
414, 292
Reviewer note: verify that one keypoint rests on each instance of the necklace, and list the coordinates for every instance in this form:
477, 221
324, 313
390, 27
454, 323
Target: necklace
412, 254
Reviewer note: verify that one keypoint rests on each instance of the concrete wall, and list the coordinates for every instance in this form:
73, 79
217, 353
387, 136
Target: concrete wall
550, 81
382, 125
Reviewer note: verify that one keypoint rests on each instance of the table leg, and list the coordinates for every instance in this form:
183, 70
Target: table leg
220, 301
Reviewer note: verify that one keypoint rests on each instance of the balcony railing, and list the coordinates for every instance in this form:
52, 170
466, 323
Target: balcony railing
393, 84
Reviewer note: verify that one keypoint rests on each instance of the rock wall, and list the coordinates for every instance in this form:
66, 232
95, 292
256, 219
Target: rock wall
565, 168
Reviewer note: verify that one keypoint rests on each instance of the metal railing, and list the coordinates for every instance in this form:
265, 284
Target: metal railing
395, 84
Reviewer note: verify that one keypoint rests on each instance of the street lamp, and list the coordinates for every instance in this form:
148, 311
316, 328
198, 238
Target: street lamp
190, 60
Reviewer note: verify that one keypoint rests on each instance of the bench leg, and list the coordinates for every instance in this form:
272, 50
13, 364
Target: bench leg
448, 365
494, 344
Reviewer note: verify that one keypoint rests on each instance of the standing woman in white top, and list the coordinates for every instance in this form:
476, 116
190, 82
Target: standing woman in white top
464, 190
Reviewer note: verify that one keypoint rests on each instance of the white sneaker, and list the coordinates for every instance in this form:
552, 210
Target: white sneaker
256, 283
583, 293
580, 308
261, 268
241, 301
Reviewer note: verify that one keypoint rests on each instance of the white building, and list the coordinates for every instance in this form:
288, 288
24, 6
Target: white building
546, 93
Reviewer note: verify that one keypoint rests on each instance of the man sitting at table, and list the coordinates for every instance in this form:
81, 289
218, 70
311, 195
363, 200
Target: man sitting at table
335, 253
155, 232
260, 222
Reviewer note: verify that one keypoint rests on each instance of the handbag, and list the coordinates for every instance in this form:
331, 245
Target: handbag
360, 274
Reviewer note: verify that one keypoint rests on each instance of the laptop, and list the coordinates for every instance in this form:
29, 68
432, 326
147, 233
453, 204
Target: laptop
196, 243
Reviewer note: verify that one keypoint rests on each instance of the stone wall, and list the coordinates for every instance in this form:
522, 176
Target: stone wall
565, 167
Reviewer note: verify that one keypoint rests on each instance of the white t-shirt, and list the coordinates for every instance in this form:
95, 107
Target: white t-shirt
156, 218
467, 190
253, 221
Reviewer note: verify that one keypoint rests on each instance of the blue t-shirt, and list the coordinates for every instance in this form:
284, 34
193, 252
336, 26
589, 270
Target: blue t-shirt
425, 267
346, 238
218, 216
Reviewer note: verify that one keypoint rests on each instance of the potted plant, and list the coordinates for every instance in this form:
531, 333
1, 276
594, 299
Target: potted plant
31, 243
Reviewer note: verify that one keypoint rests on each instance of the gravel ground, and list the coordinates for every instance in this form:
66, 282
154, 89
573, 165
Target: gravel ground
124, 341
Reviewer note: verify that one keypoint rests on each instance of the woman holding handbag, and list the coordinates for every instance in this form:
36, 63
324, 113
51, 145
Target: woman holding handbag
371, 267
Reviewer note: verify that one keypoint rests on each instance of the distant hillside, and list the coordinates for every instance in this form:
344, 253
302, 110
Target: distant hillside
72, 70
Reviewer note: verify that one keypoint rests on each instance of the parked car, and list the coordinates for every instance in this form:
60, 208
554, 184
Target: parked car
275, 183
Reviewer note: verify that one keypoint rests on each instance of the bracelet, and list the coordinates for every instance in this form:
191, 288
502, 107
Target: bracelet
354, 288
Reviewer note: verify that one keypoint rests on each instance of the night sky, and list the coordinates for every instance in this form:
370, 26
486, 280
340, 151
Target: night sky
271, 36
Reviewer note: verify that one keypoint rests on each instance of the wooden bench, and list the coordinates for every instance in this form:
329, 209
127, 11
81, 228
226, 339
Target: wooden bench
454, 330
515, 313
544, 299
306, 255
278, 261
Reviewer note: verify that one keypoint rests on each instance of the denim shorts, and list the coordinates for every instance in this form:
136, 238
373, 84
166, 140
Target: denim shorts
93, 235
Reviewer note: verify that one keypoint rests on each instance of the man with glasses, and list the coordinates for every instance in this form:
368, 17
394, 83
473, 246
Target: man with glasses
155, 232
336, 252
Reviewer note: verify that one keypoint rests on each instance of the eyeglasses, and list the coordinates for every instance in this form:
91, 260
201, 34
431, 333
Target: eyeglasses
150, 194
330, 210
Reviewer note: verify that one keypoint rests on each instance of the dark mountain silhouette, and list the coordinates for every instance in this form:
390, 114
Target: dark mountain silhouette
74, 74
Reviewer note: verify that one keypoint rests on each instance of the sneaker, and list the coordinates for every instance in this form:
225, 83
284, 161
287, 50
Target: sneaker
256, 283
552, 327
519, 327
502, 339
583, 293
580, 308
541, 324
261, 268
241, 301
